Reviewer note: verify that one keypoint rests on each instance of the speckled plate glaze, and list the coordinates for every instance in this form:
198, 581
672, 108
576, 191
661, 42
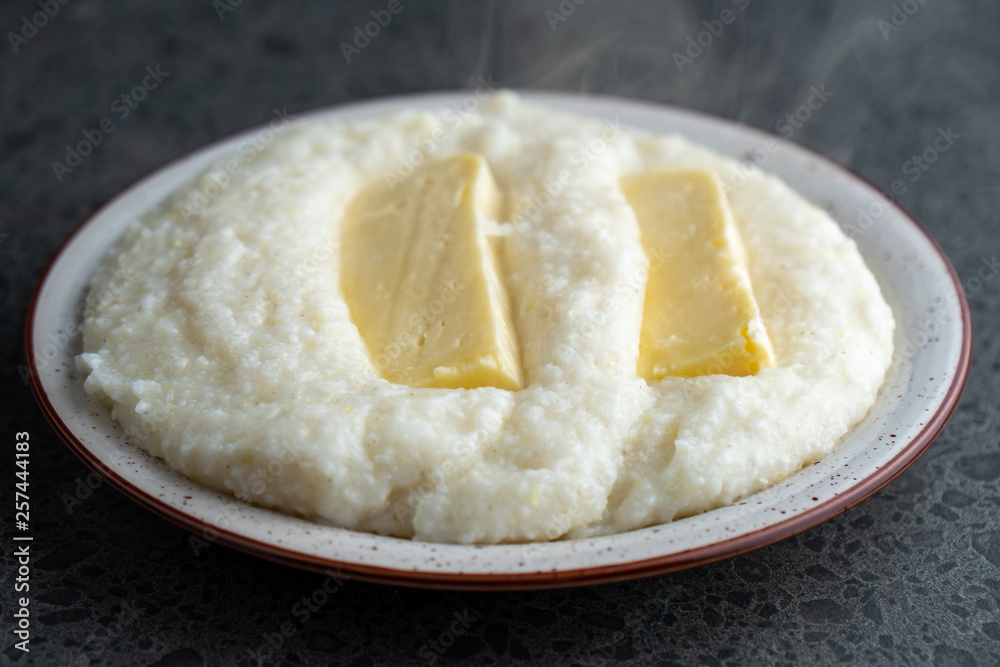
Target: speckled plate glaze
927, 377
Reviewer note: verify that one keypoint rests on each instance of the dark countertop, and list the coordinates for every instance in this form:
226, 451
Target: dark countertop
910, 576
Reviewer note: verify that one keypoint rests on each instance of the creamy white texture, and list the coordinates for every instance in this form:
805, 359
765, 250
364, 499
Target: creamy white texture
229, 350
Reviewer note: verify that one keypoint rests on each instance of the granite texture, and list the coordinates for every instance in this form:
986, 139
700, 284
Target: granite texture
910, 576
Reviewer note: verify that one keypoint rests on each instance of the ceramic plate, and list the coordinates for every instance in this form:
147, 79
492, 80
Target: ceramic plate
927, 377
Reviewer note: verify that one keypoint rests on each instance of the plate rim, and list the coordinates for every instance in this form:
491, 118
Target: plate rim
556, 578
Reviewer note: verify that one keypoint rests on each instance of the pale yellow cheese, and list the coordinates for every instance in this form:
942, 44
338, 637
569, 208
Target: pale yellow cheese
700, 316
420, 278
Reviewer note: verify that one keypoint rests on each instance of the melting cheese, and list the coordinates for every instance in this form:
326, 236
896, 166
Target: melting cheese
420, 278
700, 316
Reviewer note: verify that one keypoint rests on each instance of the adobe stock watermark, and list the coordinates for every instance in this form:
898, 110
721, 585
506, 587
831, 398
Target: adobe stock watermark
259, 480
420, 323
714, 28
929, 328
318, 254
918, 164
218, 179
363, 36
562, 522
37, 21
95, 646
257, 485
454, 115
223, 7
794, 120
431, 651
565, 9
987, 271
915, 167
608, 651
299, 615
121, 107
901, 13
786, 125
147, 418
585, 153
58, 340
85, 485
404, 510
210, 531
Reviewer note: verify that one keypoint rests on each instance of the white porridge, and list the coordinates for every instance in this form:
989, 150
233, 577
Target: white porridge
230, 351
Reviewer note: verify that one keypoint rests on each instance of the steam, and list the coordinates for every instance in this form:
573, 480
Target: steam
759, 67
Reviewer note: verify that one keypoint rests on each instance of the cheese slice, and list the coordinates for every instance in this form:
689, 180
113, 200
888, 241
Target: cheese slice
700, 316
420, 278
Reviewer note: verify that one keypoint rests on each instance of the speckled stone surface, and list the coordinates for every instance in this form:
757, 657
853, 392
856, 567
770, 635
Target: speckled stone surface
910, 576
